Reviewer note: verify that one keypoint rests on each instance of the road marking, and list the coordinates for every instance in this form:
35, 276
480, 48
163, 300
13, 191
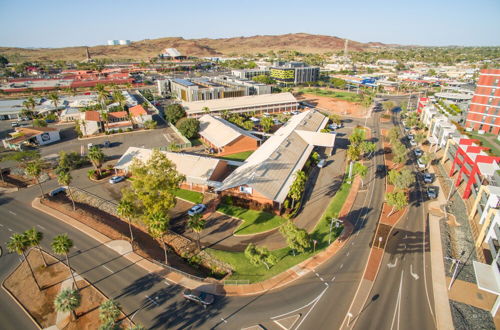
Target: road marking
309, 311
222, 319
40, 226
168, 284
398, 303
341, 266
333, 279
289, 322
347, 254
12, 212
152, 300
298, 309
108, 269
389, 265
415, 276
10, 229
1, 225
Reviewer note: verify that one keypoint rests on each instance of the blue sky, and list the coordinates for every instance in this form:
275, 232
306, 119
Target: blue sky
53, 23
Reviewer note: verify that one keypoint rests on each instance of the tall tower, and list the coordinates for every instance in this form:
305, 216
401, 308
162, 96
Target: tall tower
346, 52
88, 54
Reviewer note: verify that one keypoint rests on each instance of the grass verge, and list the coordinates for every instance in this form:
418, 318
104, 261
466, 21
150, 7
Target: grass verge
241, 156
346, 96
244, 270
254, 222
192, 196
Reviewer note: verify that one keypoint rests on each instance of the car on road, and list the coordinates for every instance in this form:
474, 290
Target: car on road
432, 192
418, 152
56, 191
198, 208
116, 179
321, 163
107, 144
199, 297
428, 177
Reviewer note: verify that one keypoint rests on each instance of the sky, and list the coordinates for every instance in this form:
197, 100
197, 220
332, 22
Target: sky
54, 23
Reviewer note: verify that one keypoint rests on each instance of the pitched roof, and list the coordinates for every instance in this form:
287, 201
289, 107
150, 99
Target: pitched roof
197, 169
92, 116
137, 111
118, 114
270, 169
220, 132
25, 133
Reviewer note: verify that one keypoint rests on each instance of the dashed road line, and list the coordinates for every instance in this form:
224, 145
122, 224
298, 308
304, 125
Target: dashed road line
333, 279
12, 212
342, 265
42, 227
107, 268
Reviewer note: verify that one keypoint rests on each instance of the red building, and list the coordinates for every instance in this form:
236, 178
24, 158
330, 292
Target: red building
422, 102
484, 110
472, 164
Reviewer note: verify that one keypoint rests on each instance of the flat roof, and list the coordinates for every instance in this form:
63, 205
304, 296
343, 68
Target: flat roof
183, 82
238, 102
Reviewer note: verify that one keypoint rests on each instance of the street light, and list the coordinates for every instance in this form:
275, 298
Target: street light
337, 224
349, 315
379, 241
457, 263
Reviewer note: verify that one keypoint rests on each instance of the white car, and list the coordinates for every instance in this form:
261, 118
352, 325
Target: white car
322, 163
295, 112
266, 114
413, 143
198, 208
420, 164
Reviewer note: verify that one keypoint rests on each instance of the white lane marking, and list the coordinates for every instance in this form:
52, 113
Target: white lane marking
222, 319
10, 229
333, 279
389, 265
347, 254
107, 268
168, 284
352, 243
398, 303
297, 309
341, 266
309, 311
415, 276
152, 300
12, 212
40, 226
1, 225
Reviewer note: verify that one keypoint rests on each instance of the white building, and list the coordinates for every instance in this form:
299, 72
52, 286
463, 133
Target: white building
34, 136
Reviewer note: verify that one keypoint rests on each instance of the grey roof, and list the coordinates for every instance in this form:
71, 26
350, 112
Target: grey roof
270, 169
220, 132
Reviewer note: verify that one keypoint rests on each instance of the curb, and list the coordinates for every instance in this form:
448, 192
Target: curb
114, 134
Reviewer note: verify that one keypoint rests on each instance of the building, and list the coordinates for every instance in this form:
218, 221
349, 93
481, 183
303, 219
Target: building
250, 73
224, 137
118, 121
31, 136
269, 103
190, 90
266, 176
202, 173
484, 110
139, 115
118, 42
90, 123
173, 54
294, 73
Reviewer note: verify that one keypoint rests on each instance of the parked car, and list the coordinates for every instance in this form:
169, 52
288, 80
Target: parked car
116, 179
57, 191
107, 144
418, 152
321, 163
413, 143
198, 208
199, 297
432, 192
14, 124
276, 122
407, 129
381, 169
89, 145
428, 177
411, 137
420, 164
267, 114
295, 112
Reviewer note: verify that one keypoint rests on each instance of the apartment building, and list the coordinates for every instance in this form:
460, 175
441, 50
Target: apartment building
484, 110
249, 73
294, 73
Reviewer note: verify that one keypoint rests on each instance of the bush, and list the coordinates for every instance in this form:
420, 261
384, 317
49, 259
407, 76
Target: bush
188, 127
107, 133
286, 203
92, 174
129, 129
120, 131
174, 112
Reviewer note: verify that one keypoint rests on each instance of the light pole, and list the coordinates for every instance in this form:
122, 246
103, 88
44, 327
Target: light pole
349, 315
457, 263
337, 224
379, 241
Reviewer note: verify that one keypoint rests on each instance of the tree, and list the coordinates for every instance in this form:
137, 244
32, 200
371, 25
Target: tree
39, 123
338, 83
3, 61
67, 301
109, 311
427, 158
353, 153
401, 179
206, 110
19, 243
188, 127
397, 199
96, 157
157, 227
394, 135
154, 182
33, 238
267, 123
298, 186
120, 99
260, 255
64, 177
54, 98
150, 124
368, 147
30, 105
357, 136
34, 169
126, 209
174, 112
264, 79
388, 106
61, 244
336, 119
196, 224
361, 170
420, 138
400, 153
248, 125
297, 239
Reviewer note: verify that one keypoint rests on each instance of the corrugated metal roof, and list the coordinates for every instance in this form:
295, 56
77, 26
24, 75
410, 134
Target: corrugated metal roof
220, 132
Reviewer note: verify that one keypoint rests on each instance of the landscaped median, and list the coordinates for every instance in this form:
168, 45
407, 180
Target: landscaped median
244, 271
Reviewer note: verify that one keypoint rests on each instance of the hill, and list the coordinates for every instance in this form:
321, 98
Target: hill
145, 49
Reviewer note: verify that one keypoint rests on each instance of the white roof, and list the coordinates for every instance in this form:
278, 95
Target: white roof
197, 169
238, 102
487, 277
488, 169
220, 132
172, 52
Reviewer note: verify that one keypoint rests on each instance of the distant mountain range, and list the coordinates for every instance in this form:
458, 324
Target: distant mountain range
145, 49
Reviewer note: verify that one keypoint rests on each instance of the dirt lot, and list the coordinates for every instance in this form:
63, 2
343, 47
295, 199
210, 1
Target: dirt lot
333, 105
40, 303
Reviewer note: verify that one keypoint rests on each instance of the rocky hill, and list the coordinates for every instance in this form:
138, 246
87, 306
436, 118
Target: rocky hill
145, 49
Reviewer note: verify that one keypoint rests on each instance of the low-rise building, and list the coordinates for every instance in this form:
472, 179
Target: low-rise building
224, 137
117, 121
250, 73
31, 136
90, 123
139, 115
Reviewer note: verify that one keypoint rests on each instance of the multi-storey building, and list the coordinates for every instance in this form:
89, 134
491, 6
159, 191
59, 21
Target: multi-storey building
294, 73
249, 73
484, 110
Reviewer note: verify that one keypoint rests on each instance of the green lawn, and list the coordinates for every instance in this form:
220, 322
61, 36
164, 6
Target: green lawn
189, 195
254, 222
495, 148
346, 96
244, 270
196, 142
240, 156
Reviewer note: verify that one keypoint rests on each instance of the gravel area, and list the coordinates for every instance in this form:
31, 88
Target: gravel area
456, 239
469, 317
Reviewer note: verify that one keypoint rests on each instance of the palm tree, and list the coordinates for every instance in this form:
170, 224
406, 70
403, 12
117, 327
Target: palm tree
33, 238
102, 95
158, 225
126, 209
67, 301
29, 104
109, 311
55, 99
105, 117
118, 97
61, 244
96, 156
196, 224
19, 244
34, 169
64, 177
206, 110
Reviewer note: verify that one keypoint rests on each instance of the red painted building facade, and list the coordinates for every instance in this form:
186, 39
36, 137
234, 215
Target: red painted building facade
484, 109
422, 102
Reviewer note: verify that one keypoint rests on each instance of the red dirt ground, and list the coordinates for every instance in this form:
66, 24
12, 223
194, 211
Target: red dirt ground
333, 105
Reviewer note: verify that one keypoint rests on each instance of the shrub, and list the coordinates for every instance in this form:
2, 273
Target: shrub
92, 174
129, 129
188, 127
120, 131
107, 133
174, 112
